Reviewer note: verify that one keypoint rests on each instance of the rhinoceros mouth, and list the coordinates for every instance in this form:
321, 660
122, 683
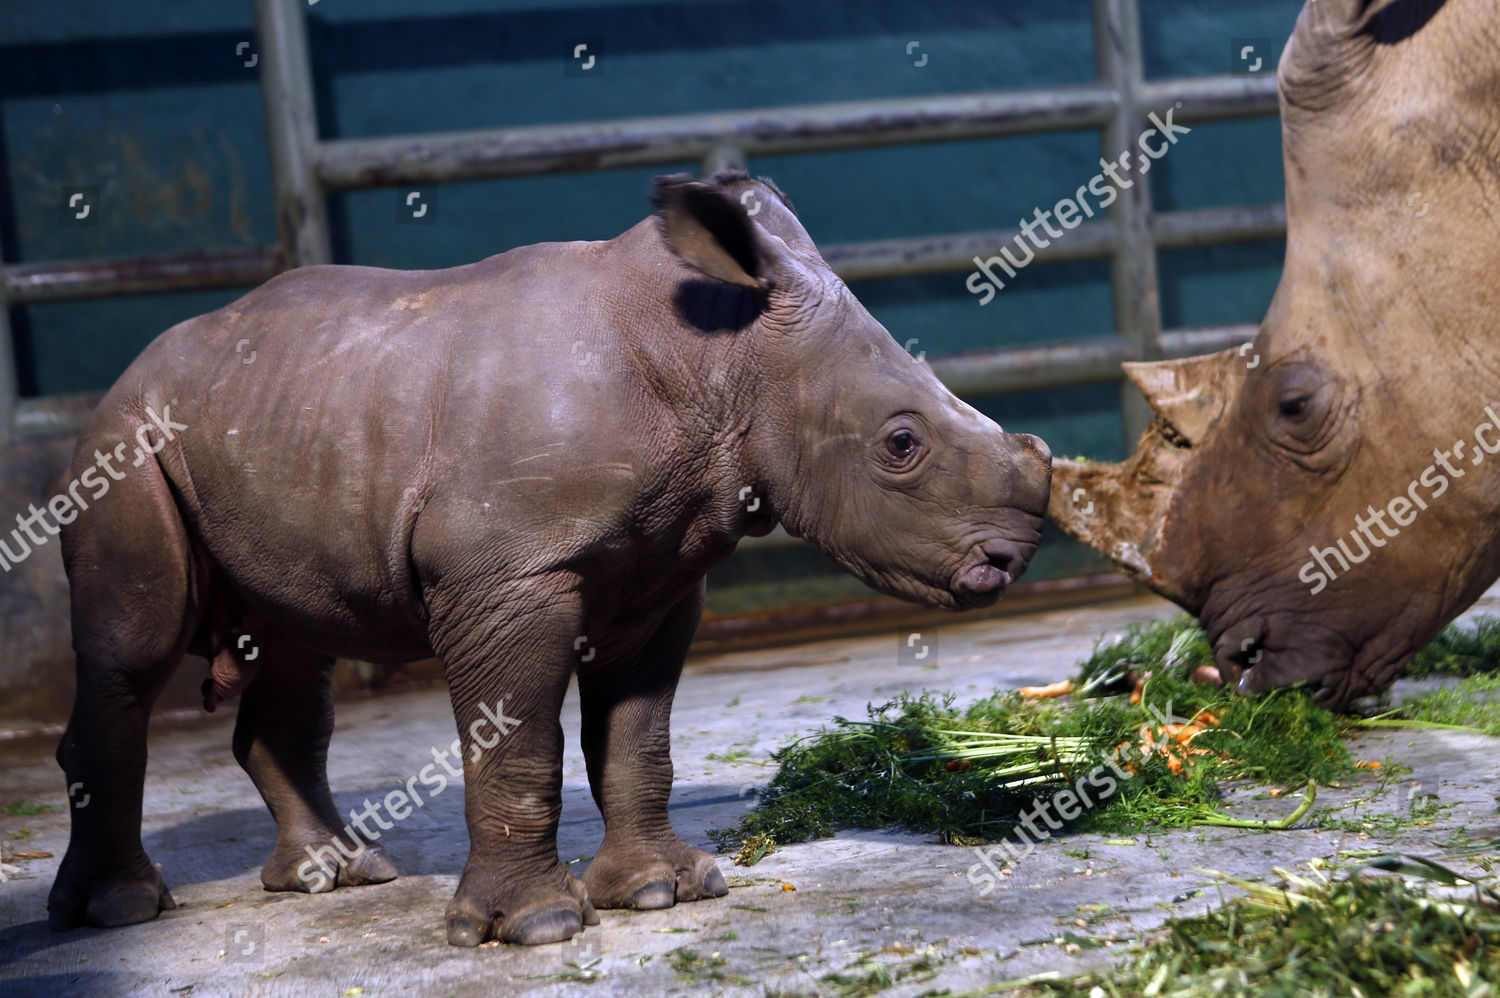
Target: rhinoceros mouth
1257, 654
991, 566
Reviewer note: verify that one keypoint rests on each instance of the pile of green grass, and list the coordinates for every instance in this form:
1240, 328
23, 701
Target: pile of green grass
1315, 936
967, 775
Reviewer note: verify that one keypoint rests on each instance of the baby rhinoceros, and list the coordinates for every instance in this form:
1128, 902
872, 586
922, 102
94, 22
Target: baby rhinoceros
524, 467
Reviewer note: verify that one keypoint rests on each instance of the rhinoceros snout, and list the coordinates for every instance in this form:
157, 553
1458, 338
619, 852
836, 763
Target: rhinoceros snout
1029, 480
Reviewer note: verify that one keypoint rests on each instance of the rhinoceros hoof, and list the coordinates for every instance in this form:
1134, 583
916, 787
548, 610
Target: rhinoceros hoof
110, 902
649, 876
527, 917
370, 866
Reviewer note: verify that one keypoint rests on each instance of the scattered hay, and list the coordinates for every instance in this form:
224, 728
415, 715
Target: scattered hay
1313, 934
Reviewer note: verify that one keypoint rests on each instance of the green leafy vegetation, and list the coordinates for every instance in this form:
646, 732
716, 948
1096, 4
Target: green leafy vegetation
25, 809
1461, 651
1175, 646
697, 969
968, 775
1316, 935
1472, 703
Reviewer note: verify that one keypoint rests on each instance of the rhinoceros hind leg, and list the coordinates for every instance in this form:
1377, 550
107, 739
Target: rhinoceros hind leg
281, 737
133, 611
626, 742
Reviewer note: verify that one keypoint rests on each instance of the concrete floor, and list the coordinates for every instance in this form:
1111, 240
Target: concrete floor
804, 913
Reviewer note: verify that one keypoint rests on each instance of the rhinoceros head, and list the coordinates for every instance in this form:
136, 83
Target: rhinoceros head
1322, 498
849, 441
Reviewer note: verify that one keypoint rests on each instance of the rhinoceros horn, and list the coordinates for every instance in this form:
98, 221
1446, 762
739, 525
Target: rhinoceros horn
1120, 508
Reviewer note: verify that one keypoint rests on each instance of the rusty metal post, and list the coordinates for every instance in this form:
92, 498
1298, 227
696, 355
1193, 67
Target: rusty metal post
1132, 270
292, 131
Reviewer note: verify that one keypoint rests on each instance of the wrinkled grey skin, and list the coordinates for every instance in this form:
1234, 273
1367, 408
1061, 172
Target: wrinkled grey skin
1380, 351
523, 466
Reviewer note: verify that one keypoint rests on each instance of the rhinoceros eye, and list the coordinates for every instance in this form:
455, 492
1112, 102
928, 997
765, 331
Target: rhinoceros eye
901, 445
1294, 407
1304, 404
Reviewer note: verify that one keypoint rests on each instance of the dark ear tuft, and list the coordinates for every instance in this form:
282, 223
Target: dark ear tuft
711, 232
726, 177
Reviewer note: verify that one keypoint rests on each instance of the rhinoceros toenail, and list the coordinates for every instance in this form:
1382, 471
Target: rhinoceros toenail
655, 895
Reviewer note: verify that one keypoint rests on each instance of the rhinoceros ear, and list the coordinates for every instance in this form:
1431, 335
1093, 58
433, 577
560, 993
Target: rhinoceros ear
712, 233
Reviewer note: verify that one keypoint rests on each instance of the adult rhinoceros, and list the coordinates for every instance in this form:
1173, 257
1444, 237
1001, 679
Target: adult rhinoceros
1324, 499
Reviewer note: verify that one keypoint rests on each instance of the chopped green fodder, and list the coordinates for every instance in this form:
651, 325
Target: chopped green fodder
1471, 703
1313, 936
1176, 646
1461, 650
968, 775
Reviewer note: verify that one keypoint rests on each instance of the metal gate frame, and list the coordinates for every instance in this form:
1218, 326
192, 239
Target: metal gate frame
306, 168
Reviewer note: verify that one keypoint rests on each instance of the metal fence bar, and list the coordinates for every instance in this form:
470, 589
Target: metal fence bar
347, 164
1213, 98
49, 414
292, 131
492, 153
946, 253
1070, 363
74, 280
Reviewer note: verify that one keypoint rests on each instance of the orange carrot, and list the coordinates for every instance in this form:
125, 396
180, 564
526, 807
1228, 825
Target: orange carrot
1060, 688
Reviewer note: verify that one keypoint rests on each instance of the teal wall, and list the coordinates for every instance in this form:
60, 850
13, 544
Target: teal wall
150, 102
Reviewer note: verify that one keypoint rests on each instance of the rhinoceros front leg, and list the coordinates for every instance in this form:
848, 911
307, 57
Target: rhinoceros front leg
507, 680
281, 739
626, 742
